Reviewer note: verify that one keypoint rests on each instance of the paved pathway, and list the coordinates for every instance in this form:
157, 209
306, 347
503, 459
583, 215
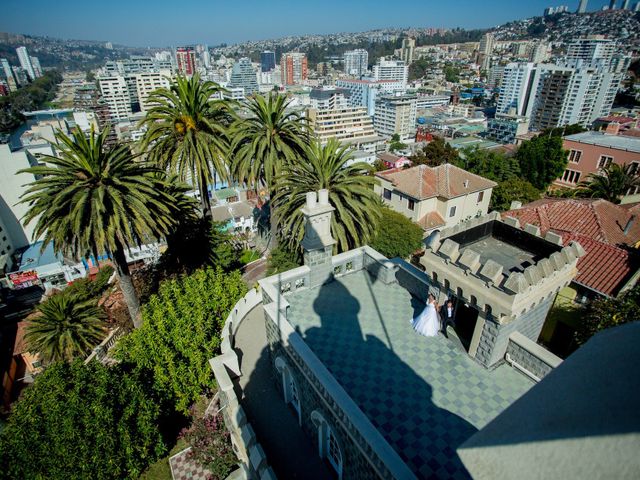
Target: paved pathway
254, 272
288, 450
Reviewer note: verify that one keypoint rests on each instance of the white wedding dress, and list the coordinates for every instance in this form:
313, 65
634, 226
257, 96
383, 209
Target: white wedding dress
427, 323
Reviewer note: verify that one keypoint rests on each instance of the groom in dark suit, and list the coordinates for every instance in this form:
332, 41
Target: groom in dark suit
447, 316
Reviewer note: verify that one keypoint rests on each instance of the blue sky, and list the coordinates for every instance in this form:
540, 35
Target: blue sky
166, 23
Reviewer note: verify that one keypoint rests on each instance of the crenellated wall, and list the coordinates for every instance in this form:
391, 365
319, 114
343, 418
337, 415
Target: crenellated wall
506, 302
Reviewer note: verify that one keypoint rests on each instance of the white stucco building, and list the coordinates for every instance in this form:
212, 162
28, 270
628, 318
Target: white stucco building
435, 197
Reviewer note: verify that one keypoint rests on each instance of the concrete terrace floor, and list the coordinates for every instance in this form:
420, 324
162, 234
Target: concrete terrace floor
289, 452
424, 395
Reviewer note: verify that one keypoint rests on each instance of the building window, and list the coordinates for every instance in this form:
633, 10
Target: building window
604, 161
452, 211
333, 452
411, 205
387, 194
571, 176
328, 443
480, 197
574, 156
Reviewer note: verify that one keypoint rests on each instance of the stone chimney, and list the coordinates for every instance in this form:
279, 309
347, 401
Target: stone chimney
318, 243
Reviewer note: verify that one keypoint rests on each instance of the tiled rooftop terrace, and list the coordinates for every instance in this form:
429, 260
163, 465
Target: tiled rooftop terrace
424, 395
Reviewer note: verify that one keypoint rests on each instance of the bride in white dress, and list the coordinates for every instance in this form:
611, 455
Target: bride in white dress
427, 323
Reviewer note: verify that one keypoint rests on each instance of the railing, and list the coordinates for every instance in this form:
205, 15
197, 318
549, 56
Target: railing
100, 352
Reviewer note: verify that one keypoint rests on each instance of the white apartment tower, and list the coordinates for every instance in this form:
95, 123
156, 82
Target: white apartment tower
25, 62
396, 115
364, 92
147, 82
115, 93
408, 49
582, 8
356, 62
396, 70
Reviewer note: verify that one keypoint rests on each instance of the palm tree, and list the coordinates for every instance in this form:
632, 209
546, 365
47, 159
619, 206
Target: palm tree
65, 328
611, 183
96, 200
266, 140
350, 191
187, 132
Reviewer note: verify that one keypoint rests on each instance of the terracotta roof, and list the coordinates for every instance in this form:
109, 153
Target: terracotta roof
597, 219
598, 226
388, 157
604, 268
431, 220
446, 181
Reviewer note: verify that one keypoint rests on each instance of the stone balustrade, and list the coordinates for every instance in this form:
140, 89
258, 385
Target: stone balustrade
225, 367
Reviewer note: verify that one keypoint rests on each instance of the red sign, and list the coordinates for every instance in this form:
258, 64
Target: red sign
23, 279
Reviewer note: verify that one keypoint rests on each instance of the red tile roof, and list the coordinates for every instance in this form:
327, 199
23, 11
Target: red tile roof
446, 181
598, 226
596, 219
604, 268
431, 220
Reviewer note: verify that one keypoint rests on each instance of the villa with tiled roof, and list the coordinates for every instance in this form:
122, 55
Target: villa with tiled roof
435, 197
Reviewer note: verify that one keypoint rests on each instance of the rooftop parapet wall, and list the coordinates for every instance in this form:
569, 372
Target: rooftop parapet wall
486, 285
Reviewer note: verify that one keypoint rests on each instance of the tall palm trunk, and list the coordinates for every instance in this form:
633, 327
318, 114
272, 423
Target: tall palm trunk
273, 223
126, 284
205, 203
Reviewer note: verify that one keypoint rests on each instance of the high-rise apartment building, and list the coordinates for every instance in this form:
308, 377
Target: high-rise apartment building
267, 61
582, 8
25, 62
356, 62
396, 115
37, 69
486, 44
364, 92
594, 50
8, 73
115, 92
244, 76
612, 5
293, 68
186, 60
408, 49
625, 5
147, 82
396, 70
555, 95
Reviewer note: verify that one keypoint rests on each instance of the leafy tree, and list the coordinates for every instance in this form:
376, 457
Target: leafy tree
379, 166
66, 328
514, 189
350, 186
396, 144
31, 97
223, 252
264, 142
492, 165
282, 259
211, 446
435, 153
451, 74
612, 183
604, 313
562, 131
93, 199
419, 68
181, 332
542, 160
397, 236
187, 133
81, 421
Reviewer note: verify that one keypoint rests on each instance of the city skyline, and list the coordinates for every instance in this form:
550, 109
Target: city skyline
144, 28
